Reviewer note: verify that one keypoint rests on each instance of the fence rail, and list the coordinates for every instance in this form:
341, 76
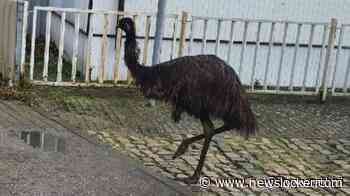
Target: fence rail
270, 56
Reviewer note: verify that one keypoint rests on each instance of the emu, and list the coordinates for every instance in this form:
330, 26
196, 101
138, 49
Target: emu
204, 86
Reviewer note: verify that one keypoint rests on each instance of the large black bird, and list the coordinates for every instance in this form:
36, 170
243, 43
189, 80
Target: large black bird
204, 86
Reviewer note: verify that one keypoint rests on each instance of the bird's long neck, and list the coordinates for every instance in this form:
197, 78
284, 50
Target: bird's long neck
146, 77
131, 54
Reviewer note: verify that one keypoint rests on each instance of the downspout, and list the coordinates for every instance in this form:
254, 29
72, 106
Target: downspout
90, 6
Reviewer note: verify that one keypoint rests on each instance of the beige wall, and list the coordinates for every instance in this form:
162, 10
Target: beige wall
7, 38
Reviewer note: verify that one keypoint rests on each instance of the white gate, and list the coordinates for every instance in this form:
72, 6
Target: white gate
108, 23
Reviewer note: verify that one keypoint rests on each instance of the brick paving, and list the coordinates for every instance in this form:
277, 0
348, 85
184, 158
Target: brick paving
298, 137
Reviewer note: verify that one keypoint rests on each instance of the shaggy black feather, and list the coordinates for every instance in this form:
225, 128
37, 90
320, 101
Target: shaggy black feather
202, 84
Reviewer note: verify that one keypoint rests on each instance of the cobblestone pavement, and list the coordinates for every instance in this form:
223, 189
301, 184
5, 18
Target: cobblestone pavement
298, 138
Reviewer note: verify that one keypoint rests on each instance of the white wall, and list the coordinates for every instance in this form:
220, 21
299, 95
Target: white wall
301, 10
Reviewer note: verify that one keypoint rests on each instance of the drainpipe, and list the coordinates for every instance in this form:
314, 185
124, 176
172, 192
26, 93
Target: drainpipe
159, 35
159, 31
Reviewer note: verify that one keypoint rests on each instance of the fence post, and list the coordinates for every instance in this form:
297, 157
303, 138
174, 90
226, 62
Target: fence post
12, 23
327, 63
24, 40
184, 18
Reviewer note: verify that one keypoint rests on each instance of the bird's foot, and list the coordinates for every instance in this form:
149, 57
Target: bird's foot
181, 149
189, 180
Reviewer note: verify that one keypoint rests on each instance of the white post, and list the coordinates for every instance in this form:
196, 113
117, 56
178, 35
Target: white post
339, 48
61, 47
295, 57
330, 47
24, 39
269, 54
75, 47
347, 73
231, 41
102, 68
88, 54
146, 43
218, 34
204, 38
118, 46
47, 46
32, 53
244, 45
282, 56
306, 69
173, 45
324, 36
182, 33
192, 28
255, 56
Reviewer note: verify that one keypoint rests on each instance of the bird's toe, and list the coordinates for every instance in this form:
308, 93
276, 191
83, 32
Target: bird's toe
189, 180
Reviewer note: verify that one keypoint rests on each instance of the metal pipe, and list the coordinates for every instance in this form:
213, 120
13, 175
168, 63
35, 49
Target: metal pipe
160, 23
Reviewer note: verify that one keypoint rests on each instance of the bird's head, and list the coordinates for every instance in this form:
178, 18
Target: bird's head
127, 25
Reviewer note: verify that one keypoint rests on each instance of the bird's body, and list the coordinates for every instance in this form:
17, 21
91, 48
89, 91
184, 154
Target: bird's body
197, 84
203, 86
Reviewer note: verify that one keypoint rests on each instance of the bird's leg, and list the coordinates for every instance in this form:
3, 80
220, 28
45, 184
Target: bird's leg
207, 125
176, 114
208, 136
185, 144
208, 129
196, 175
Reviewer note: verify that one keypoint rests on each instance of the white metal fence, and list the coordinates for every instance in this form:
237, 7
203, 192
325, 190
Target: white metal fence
109, 19
279, 57
340, 74
8, 23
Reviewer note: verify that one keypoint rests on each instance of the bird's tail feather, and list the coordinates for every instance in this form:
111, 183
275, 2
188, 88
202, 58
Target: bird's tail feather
248, 124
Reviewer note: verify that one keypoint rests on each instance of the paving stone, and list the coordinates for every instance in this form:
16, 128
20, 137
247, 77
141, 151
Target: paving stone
340, 194
91, 132
346, 190
181, 175
234, 157
298, 139
299, 194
